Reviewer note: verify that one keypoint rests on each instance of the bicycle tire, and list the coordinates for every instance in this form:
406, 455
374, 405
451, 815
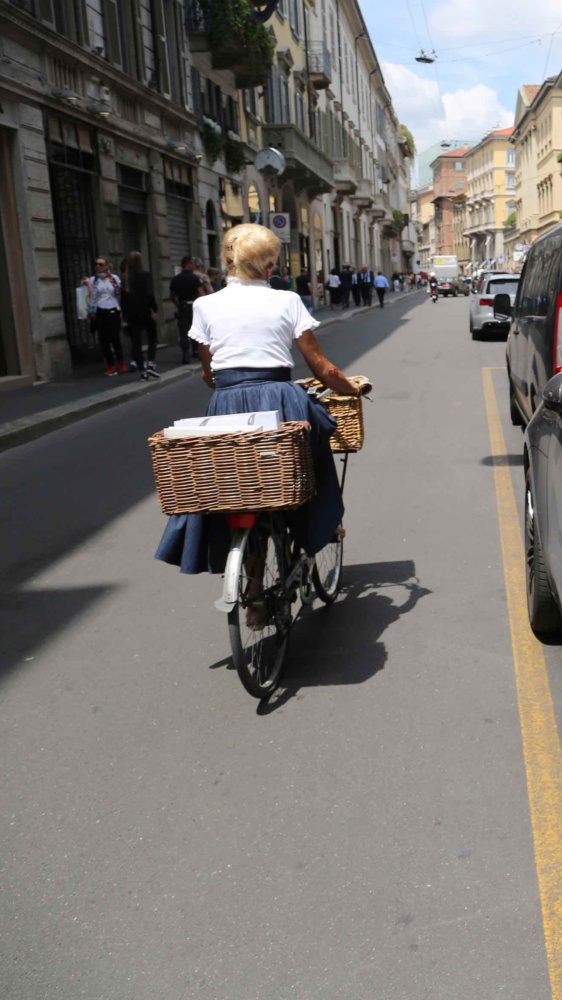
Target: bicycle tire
328, 569
259, 656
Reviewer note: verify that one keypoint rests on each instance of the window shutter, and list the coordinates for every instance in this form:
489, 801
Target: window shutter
139, 41
46, 12
159, 27
112, 33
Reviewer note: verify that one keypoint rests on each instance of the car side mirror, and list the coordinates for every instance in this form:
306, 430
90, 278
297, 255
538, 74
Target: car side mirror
552, 393
502, 306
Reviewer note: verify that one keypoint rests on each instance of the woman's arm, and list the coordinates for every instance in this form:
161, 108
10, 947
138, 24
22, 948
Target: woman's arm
322, 368
205, 359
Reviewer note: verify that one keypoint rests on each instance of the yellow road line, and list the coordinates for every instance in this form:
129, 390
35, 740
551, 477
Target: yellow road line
541, 743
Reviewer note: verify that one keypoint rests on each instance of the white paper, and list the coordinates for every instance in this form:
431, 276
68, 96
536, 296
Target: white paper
173, 433
267, 420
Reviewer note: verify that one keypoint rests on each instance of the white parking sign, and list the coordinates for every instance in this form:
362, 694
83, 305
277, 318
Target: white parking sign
280, 223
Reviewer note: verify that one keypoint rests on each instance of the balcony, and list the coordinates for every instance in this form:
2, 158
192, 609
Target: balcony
364, 196
245, 49
346, 176
319, 66
306, 165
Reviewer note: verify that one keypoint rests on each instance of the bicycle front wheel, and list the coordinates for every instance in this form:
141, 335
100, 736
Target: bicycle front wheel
328, 566
260, 621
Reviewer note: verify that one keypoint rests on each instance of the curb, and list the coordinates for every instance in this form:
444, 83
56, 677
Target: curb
46, 421
26, 429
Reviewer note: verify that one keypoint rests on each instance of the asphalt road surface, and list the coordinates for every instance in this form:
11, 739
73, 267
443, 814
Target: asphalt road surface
365, 835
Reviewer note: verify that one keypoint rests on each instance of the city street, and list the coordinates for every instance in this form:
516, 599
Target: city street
367, 834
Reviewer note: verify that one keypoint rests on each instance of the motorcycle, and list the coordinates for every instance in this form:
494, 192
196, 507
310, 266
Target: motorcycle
434, 293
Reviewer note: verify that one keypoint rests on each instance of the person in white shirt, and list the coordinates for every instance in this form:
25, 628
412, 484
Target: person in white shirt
381, 285
104, 311
334, 288
245, 334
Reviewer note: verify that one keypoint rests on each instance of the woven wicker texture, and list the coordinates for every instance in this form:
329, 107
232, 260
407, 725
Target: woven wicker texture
348, 412
264, 470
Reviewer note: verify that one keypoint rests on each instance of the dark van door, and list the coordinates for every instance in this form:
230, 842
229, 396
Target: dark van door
534, 322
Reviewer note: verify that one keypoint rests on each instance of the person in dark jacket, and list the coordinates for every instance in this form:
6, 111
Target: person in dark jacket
140, 311
346, 280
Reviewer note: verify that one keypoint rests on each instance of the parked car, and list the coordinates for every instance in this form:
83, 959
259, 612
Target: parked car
543, 510
534, 343
465, 284
482, 316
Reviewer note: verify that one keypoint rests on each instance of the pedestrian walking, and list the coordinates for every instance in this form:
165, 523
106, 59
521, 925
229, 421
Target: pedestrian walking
366, 281
381, 285
286, 275
104, 313
304, 289
214, 277
185, 288
140, 310
199, 270
346, 282
334, 288
355, 287
279, 283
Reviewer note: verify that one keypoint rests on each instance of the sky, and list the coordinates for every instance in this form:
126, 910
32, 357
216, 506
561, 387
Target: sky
486, 50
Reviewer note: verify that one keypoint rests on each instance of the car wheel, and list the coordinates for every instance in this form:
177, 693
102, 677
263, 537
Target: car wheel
475, 333
544, 613
455, 293
516, 418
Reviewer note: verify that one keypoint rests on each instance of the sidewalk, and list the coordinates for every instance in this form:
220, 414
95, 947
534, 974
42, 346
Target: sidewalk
32, 411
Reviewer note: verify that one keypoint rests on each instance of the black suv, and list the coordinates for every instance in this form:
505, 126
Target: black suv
534, 343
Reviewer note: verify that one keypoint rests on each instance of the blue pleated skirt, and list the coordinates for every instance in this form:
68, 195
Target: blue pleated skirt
199, 543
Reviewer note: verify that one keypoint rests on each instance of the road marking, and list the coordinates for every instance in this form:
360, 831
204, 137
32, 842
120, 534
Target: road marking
541, 743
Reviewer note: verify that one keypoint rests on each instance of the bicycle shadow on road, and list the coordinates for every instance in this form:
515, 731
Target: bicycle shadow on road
341, 644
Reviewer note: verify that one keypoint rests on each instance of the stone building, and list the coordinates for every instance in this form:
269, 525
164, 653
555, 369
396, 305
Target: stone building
135, 124
490, 170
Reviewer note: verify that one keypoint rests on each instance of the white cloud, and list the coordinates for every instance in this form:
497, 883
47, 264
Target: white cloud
461, 114
481, 19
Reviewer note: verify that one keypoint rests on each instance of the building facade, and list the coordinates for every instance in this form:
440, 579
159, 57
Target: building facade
425, 226
490, 168
134, 125
449, 184
537, 150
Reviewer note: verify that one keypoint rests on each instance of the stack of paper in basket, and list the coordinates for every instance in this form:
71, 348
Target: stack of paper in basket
229, 423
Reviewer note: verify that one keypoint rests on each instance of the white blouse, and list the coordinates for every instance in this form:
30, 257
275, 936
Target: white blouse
250, 325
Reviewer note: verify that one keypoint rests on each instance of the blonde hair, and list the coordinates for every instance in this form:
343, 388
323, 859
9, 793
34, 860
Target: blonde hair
250, 250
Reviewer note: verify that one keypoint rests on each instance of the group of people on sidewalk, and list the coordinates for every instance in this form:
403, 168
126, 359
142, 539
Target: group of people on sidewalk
126, 302
348, 283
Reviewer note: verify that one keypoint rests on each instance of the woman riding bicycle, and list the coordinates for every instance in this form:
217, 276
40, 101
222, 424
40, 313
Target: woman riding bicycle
245, 333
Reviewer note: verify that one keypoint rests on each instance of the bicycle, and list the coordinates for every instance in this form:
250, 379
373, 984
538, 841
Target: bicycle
264, 558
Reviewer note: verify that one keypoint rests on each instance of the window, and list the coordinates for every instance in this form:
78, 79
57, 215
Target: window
123, 39
510, 157
510, 180
68, 17
294, 17
282, 8
251, 102
459, 165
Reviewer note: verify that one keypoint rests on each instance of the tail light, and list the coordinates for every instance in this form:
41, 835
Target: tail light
240, 520
558, 335
486, 302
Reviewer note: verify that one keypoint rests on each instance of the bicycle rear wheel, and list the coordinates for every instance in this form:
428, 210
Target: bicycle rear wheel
259, 654
327, 572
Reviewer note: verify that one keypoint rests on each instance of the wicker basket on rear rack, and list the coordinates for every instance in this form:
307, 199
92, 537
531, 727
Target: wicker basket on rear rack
259, 470
348, 412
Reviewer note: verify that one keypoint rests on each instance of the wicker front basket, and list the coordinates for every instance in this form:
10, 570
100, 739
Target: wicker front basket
348, 412
261, 470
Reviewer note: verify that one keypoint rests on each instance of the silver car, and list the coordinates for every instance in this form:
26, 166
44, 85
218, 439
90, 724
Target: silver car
482, 317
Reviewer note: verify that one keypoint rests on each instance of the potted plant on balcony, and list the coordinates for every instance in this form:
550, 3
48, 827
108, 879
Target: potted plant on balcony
238, 42
234, 153
212, 138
